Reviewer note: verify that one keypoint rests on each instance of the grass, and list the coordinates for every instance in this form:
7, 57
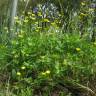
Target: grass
34, 63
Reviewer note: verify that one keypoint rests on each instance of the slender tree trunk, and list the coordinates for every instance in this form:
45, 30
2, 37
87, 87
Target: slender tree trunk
13, 14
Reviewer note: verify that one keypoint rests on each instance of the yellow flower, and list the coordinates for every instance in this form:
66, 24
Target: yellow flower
18, 73
33, 18
42, 57
47, 72
78, 49
91, 10
83, 14
23, 67
37, 30
83, 3
16, 18
33, 14
46, 20
53, 23
43, 73
39, 14
25, 21
29, 13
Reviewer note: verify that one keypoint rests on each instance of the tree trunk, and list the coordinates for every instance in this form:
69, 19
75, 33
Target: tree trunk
13, 12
